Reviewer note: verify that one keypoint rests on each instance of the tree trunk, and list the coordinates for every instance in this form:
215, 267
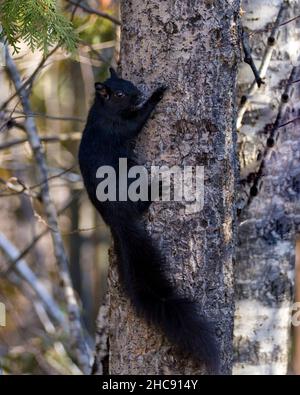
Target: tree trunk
267, 226
192, 47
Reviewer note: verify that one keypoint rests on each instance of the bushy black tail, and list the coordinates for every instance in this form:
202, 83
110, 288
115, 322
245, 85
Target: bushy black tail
141, 269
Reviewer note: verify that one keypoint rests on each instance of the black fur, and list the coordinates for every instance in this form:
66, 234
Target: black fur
113, 121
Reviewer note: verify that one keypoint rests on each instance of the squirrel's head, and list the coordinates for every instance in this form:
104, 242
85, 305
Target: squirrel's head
116, 93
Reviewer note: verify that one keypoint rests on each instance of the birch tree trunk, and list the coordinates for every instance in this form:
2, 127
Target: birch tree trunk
269, 221
191, 46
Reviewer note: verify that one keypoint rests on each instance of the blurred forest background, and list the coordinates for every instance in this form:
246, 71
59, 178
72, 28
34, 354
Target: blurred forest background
61, 96
61, 85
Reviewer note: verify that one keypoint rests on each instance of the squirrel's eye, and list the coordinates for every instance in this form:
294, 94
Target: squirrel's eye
120, 94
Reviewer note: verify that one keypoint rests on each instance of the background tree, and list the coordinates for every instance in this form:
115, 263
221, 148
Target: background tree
268, 126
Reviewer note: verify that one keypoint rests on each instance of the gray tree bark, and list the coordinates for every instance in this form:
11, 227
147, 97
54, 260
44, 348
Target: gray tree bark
269, 221
193, 47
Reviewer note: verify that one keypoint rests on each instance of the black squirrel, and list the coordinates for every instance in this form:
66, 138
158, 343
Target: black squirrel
116, 118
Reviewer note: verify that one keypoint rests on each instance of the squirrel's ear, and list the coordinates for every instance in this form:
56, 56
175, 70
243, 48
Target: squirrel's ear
102, 90
113, 73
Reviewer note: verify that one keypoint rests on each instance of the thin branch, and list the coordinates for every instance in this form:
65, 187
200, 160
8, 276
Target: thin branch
248, 58
14, 184
93, 11
27, 249
6, 124
290, 20
18, 187
61, 173
74, 10
28, 191
28, 83
76, 333
259, 31
94, 50
47, 116
11, 123
289, 122
49, 139
82, 230
23, 270
263, 66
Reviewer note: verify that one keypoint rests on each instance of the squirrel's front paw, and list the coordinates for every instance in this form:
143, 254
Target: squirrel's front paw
158, 94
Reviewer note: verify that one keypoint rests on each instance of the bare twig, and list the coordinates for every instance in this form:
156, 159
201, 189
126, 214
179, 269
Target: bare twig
259, 31
11, 123
248, 58
76, 333
74, 10
290, 20
263, 66
23, 270
94, 49
27, 249
47, 116
82, 230
289, 122
28, 83
90, 10
19, 187
49, 139
59, 174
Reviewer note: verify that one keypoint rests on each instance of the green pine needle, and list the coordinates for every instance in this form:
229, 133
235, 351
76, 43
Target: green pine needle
38, 23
